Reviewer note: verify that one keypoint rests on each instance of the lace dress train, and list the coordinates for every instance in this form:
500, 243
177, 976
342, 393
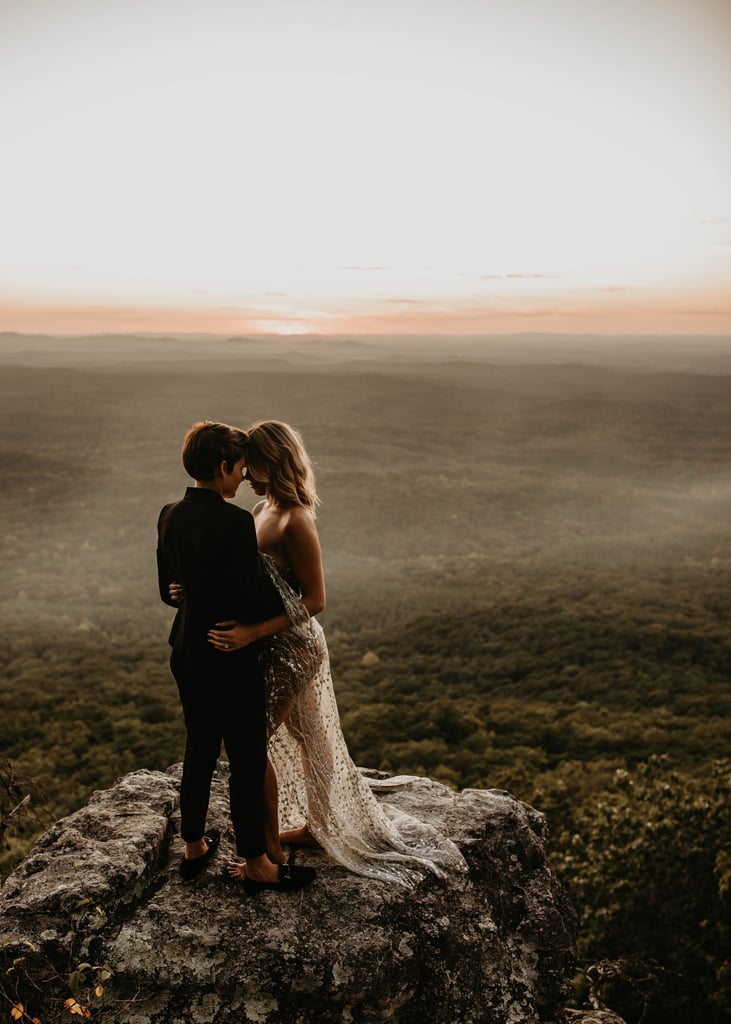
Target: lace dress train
318, 782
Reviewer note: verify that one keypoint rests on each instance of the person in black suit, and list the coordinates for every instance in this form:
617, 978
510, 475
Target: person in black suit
209, 547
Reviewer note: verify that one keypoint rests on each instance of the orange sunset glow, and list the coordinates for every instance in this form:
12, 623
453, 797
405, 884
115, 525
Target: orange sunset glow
445, 168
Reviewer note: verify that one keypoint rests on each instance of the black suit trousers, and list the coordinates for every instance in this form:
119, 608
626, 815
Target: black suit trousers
228, 709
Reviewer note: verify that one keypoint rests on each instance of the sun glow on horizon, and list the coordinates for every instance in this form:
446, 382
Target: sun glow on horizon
277, 327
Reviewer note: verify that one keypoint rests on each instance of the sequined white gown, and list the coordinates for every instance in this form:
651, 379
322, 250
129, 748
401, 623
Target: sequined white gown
318, 783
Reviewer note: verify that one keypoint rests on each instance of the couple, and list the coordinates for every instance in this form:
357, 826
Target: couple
252, 669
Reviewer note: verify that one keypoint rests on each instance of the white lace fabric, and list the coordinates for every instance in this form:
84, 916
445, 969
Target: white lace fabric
319, 785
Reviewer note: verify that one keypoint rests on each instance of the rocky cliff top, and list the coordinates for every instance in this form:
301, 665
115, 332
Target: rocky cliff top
97, 918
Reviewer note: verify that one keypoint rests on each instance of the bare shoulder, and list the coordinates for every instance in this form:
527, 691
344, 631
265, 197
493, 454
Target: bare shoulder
258, 508
300, 517
299, 523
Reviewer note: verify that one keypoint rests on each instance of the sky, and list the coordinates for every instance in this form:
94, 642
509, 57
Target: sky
440, 166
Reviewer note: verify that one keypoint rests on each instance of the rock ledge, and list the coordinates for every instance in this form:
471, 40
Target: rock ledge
100, 895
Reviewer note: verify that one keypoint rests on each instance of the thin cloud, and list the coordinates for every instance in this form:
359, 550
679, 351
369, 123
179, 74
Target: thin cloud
530, 277
695, 312
518, 277
569, 313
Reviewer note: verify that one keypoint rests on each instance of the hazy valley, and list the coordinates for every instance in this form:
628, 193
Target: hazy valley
531, 534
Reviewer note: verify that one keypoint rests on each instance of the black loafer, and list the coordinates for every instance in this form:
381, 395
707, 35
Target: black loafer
190, 867
290, 878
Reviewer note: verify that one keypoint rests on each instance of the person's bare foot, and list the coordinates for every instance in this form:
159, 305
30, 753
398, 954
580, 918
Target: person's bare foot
258, 875
299, 837
236, 870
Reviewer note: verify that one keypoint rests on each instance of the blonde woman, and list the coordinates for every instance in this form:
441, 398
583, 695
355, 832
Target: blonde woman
312, 787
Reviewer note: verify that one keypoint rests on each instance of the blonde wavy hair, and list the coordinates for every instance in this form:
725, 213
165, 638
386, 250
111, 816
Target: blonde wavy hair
276, 456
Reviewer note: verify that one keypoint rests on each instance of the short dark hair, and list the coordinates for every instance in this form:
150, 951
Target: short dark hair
209, 444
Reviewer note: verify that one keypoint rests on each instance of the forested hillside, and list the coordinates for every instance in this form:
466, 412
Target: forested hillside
527, 554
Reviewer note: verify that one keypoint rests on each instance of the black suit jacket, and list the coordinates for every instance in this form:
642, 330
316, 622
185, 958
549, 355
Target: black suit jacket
209, 546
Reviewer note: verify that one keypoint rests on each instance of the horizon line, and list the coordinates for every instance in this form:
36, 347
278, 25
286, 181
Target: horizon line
303, 336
